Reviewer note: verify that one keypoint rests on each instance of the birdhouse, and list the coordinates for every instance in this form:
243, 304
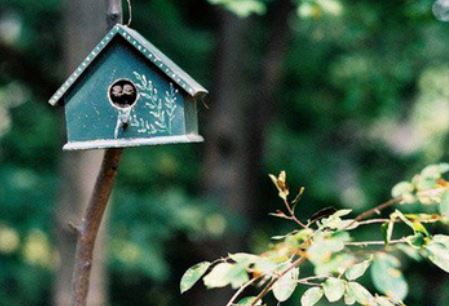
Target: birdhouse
128, 93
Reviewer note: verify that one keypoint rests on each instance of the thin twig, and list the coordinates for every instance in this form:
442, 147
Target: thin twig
268, 287
384, 220
375, 243
292, 214
241, 289
377, 210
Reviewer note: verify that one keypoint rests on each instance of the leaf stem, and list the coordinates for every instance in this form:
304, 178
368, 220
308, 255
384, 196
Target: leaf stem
375, 243
292, 214
241, 289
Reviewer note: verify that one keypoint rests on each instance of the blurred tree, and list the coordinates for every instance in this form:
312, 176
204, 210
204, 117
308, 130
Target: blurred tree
85, 25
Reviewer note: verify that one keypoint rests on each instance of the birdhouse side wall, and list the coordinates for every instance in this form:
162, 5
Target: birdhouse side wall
191, 116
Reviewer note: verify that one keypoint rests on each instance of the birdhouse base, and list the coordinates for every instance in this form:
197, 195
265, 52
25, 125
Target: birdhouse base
134, 142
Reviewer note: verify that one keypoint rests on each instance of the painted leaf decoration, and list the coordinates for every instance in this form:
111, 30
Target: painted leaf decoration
444, 204
219, 276
193, 275
359, 293
387, 278
357, 270
311, 296
334, 289
286, 285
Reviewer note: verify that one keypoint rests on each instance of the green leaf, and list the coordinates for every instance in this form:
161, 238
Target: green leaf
357, 270
443, 167
387, 278
411, 252
244, 258
359, 293
311, 296
193, 275
335, 222
238, 276
349, 299
402, 188
219, 276
442, 239
248, 301
334, 288
324, 246
438, 253
286, 285
444, 204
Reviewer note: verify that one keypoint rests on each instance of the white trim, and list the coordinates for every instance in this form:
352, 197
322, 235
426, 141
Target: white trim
132, 142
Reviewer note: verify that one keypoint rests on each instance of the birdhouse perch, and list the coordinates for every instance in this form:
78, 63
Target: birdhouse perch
128, 93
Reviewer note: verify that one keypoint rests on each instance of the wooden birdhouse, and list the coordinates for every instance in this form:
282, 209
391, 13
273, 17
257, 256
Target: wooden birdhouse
128, 93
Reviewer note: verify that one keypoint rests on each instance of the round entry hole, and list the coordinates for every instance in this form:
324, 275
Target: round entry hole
123, 93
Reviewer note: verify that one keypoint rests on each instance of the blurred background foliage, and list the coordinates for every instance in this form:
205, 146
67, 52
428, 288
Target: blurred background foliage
362, 102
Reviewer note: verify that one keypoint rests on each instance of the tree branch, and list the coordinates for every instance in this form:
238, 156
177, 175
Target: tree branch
91, 222
378, 209
88, 230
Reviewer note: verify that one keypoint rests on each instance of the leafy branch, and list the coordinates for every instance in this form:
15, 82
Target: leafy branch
339, 260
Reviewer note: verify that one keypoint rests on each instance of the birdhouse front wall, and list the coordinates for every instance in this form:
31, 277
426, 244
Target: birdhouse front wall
101, 106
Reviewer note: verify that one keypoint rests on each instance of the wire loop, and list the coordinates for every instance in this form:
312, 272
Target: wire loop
130, 13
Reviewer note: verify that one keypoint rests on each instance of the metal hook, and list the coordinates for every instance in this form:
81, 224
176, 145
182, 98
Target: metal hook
130, 13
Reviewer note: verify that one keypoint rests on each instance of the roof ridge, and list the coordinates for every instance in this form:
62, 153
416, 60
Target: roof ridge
147, 49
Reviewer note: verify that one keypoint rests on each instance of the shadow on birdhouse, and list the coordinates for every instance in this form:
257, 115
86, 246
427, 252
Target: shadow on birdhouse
128, 93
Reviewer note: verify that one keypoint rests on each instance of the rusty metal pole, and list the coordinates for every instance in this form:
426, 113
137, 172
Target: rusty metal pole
88, 229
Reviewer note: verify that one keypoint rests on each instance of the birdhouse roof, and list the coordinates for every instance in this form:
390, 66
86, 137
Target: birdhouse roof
147, 49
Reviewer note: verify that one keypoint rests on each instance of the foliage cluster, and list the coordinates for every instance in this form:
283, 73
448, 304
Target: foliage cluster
340, 260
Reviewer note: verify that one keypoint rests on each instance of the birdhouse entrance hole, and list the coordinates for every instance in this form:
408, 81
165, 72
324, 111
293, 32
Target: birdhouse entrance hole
122, 93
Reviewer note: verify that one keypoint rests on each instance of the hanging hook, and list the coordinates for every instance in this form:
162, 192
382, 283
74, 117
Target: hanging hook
130, 13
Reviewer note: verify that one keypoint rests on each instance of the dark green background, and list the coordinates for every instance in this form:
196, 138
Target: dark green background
363, 103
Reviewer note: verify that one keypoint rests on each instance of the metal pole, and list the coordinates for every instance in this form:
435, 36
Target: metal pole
88, 229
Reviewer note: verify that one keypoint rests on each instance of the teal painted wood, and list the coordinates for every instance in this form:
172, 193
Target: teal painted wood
165, 110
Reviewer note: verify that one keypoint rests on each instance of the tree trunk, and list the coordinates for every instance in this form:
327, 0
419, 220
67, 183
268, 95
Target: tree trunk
262, 107
85, 25
237, 124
